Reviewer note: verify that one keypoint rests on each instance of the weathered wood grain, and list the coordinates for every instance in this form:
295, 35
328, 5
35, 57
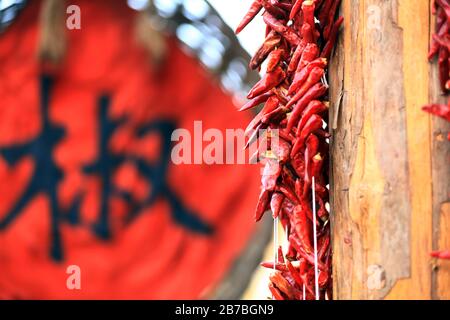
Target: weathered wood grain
388, 181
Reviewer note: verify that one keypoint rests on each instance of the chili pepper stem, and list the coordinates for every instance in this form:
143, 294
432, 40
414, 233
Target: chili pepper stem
316, 270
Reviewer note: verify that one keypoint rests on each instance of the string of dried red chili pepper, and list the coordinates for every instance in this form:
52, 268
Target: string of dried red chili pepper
440, 46
300, 36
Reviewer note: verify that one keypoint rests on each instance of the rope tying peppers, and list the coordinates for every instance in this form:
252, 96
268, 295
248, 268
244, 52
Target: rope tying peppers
297, 48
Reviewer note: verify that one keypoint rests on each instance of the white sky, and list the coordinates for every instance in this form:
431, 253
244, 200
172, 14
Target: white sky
232, 11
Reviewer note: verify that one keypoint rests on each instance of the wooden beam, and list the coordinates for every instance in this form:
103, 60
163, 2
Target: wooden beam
385, 157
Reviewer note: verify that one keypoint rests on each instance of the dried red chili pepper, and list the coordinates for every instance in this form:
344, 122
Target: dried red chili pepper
294, 104
263, 203
274, 59
269, 81
326, 53
301, 75
314, 107
275, 292
271, 7
256, 101
445, 5
315, 92
314, 77
272, 41
250, 15
439, 110
276, 203
295, 9
277, 266
441, 255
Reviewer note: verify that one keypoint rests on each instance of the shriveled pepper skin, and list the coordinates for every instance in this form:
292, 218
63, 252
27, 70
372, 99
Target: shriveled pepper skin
300, 36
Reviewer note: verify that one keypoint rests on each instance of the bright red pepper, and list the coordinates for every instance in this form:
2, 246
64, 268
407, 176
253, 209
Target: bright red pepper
441, 255
314, 77
250, 15
269, 81
315, 92
272, 41
301, 75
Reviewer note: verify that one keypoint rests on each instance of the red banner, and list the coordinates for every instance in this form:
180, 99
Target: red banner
85, 171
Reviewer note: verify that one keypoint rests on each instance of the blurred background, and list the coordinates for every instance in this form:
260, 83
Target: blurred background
86, 179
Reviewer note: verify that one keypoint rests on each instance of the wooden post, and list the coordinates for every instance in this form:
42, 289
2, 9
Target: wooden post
390, 160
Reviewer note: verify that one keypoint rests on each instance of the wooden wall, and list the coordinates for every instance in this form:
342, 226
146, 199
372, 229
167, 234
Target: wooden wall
391, 162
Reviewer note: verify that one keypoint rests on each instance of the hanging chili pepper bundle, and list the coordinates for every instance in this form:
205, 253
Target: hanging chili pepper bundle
300, 36
440, 46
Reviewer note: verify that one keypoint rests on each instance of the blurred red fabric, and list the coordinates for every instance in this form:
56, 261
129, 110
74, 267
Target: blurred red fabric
152, 257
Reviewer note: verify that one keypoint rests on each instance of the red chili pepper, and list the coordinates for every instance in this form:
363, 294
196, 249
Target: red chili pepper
327, 31
323, 278
270, 105
269, 81
250, 15
291, 196
302, 227
440, 110
441, 255
281, 93
307, 33
326, 53
272, 171
317, 163
274, 59
317, 91
313, 124
314, 77
294, 273
435, 45
446, 7
322, 212
301, 76
314, 107
295, 9
274, 23
257, 132
443, 67
263, 204
276, 293
309, 257
324, 12
310, 53
312, 147
256, 101
308, 8
281, 150
324, 245
285, 6
281, 284
272, 41
280, 255
271, 6
275, 204
296, 57
277, 266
